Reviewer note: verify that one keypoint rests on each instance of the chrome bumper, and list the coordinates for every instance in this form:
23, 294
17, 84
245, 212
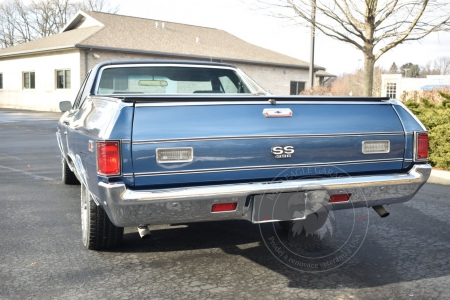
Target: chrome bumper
193, 204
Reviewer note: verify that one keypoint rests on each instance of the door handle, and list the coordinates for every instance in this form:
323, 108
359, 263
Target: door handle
66, 122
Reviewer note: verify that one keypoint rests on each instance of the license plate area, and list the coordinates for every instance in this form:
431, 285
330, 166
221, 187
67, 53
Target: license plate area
279, 207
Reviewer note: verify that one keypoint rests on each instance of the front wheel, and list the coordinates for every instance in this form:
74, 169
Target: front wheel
98, 232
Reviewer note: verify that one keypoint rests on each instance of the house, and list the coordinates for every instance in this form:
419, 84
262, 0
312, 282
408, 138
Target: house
39, 74
394, 85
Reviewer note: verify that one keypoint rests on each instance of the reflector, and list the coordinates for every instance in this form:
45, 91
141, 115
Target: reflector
218, 207
339, 198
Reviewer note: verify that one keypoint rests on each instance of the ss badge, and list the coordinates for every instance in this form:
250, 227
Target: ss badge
282, 151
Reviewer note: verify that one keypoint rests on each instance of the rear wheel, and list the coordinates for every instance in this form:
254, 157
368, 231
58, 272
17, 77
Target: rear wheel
68, 177
98, 232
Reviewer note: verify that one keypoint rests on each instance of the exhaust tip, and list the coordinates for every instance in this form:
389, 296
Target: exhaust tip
381, 211
144, 232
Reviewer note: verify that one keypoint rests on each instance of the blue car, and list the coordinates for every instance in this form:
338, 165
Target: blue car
170, 142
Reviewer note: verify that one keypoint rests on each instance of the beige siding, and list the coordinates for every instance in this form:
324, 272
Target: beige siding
45, 96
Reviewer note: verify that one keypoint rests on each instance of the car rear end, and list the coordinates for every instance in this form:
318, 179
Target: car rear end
210, 154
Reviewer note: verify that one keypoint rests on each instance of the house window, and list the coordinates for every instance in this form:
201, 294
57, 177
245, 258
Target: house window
391, 90
63, 79
1, 81
297, 87
28, 80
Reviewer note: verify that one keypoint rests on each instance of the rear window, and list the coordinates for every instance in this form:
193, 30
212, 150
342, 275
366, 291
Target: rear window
170, 80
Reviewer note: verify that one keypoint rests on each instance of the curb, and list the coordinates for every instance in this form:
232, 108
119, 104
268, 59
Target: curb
439, 177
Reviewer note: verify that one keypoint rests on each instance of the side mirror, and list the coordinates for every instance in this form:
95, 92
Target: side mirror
65, 106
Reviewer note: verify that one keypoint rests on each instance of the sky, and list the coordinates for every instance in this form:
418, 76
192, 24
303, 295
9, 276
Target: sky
256, 26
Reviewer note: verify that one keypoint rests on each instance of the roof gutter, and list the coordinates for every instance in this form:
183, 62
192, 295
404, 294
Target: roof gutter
19, 53
210, 58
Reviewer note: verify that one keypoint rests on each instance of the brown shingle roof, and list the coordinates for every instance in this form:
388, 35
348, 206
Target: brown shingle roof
322, 73
138, 34
141, 34
62, 40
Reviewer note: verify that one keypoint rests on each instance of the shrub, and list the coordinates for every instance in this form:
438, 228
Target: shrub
436, 118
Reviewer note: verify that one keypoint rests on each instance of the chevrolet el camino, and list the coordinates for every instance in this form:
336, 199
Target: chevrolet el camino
170, 142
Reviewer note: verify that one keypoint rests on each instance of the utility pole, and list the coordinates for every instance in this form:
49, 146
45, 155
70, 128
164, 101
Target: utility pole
313, 35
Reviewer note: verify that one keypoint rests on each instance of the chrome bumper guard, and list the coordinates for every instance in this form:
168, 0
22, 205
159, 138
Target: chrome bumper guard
193, 204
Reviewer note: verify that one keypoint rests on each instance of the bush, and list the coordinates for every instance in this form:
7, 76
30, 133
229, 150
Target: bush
436, 118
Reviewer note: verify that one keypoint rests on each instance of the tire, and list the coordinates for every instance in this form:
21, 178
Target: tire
98, 232
68, 177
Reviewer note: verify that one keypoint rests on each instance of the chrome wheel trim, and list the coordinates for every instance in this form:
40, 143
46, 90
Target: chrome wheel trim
84, 214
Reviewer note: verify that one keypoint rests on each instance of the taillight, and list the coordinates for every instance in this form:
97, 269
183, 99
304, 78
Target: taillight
421, 145
108, 158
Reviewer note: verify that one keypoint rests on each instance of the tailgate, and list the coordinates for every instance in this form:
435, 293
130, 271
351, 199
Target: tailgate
238, 143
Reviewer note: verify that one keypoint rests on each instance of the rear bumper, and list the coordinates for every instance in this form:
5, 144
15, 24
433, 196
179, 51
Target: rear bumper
127, 207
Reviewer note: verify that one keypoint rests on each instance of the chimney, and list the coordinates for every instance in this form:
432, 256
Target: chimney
163, 25
156, 24
197, 40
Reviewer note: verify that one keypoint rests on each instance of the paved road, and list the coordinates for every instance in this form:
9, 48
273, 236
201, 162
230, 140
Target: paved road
404, 256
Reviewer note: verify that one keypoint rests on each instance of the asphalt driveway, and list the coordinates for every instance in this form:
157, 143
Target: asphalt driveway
404, 256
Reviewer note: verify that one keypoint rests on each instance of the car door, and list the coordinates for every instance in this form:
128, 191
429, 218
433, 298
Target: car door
66, 124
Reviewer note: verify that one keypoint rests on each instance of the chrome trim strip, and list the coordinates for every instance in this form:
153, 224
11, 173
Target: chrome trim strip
266, 167
194, 139
126, 141
239, 101
127, 175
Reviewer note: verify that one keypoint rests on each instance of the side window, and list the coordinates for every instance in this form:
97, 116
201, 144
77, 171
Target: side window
391, 90
228, 85
297, 87
28, 80
63, 80
80, 92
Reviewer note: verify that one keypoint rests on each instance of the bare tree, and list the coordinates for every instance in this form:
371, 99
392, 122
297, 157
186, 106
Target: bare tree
21, 23
372, 26
98, 5
443, 65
